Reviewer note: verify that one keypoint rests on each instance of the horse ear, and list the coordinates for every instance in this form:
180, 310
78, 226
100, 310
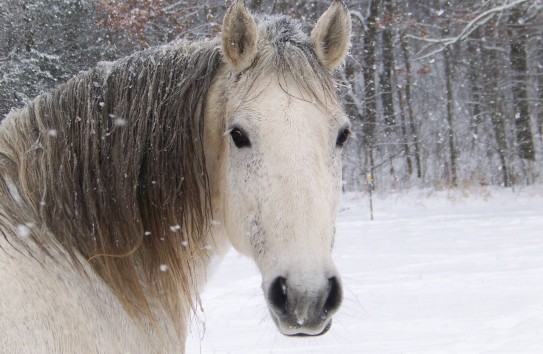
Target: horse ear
331, 36
239, 36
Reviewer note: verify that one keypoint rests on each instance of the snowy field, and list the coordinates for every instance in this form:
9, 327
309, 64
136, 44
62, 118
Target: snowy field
436, 272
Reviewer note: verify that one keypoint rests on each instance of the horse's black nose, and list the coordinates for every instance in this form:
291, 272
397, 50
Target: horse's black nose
278, 294
334, 295
304, 308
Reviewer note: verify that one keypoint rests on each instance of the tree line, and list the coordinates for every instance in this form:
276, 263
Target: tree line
441, 93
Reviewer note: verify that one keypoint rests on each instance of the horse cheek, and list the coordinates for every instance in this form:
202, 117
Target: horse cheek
239, 208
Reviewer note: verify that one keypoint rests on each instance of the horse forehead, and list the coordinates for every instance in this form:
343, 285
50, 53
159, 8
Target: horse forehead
281, 107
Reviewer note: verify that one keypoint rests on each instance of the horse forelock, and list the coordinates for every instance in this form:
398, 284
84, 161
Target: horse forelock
110, 169
285, 49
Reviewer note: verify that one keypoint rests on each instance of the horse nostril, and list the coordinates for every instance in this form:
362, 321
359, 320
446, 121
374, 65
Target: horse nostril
278, 294
334, 295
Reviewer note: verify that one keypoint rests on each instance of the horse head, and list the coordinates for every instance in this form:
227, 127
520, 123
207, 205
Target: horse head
274, 159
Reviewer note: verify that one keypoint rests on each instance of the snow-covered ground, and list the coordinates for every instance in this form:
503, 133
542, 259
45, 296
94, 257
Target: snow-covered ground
433, 273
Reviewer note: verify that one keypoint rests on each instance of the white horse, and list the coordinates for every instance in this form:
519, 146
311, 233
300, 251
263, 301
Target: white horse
119, 187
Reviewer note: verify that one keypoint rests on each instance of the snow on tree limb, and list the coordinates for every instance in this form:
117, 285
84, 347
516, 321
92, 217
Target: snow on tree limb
475, 23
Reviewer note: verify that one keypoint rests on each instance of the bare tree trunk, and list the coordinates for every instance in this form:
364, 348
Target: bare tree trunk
495, 109
473, 76
370, 119
498, 124
29, 33
450, 114
385, 82
519, 66
450, 107
404, 134
539, 72
408, 101
540, 102
388, 67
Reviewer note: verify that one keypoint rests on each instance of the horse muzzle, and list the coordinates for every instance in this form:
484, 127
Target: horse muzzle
303, 309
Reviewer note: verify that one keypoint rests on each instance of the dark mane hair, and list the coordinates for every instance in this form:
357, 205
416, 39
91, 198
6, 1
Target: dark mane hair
112, 164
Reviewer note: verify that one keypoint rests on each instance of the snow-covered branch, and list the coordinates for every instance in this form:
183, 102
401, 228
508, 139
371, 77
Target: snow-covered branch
358, 15
472, 25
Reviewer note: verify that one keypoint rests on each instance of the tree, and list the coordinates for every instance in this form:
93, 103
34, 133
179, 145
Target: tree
491, 97
450, 108
404, 44
370, 96
519, 66
387, 95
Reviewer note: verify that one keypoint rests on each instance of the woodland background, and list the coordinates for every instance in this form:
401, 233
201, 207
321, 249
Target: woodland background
441, 93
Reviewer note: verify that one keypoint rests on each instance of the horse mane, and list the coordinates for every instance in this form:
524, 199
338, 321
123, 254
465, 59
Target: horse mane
111, 165
110, 168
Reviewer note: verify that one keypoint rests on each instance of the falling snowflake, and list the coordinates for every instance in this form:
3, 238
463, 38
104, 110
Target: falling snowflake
23, 231
119, 122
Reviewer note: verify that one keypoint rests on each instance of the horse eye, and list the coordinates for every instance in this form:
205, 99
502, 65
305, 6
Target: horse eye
342, 137
239, 138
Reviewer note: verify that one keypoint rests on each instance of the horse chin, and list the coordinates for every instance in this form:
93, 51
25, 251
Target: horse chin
299, 331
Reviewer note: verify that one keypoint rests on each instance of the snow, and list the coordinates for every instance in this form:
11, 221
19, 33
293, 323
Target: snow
435, 272
119, 122
22, 231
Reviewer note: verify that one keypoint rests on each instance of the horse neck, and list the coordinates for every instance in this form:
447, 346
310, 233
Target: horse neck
133, 206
